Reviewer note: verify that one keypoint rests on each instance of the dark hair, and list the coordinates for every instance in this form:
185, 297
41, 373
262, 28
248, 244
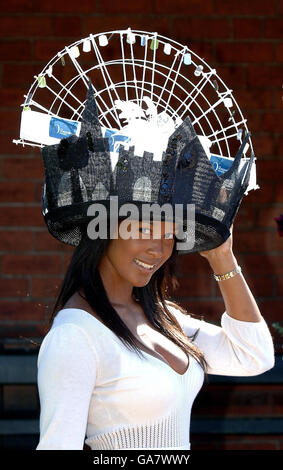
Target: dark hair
83, 274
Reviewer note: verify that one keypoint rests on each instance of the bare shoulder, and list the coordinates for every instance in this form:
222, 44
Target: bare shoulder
76, 301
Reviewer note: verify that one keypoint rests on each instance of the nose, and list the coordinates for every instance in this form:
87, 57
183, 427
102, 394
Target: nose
156, 248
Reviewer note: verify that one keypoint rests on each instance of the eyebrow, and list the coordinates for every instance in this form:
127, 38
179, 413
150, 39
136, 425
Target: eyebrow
175, 229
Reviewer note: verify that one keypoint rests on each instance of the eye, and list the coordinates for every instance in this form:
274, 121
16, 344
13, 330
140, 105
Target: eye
168, 235
172, 235
144, 228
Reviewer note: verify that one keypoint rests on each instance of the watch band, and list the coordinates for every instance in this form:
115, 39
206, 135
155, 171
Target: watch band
223, 277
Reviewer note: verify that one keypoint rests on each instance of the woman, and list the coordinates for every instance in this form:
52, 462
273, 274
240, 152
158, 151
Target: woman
123, 365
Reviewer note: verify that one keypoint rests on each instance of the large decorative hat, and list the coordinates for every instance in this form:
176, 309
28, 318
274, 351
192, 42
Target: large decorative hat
184, 142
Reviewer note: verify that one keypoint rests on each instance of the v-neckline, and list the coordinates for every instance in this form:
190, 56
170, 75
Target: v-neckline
166, 363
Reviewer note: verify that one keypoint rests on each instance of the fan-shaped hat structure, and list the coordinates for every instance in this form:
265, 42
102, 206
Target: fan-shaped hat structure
183, 145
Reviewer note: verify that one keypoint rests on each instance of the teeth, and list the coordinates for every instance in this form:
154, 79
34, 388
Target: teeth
147, 266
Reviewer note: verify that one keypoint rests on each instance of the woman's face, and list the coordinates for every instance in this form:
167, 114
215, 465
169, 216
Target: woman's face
136, 259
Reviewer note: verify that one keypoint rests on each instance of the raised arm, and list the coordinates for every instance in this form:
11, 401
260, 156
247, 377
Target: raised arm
243, 345
238, 299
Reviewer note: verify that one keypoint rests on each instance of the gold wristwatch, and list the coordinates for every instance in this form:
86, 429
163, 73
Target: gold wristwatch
223, 277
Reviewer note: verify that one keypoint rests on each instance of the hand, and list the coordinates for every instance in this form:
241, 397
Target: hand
220, 250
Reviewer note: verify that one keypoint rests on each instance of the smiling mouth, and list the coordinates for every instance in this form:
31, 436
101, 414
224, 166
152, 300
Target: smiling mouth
141, 264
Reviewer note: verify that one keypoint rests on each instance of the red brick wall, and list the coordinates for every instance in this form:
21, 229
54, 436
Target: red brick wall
241, 39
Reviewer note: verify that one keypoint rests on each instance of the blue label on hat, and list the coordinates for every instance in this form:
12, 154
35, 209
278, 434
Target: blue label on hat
61, 128
115, 139
187, 155
220, 164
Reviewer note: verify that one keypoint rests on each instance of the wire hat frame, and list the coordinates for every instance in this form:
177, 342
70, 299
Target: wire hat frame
151, 73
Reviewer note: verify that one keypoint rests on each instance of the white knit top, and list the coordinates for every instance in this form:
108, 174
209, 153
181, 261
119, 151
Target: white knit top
91, 385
